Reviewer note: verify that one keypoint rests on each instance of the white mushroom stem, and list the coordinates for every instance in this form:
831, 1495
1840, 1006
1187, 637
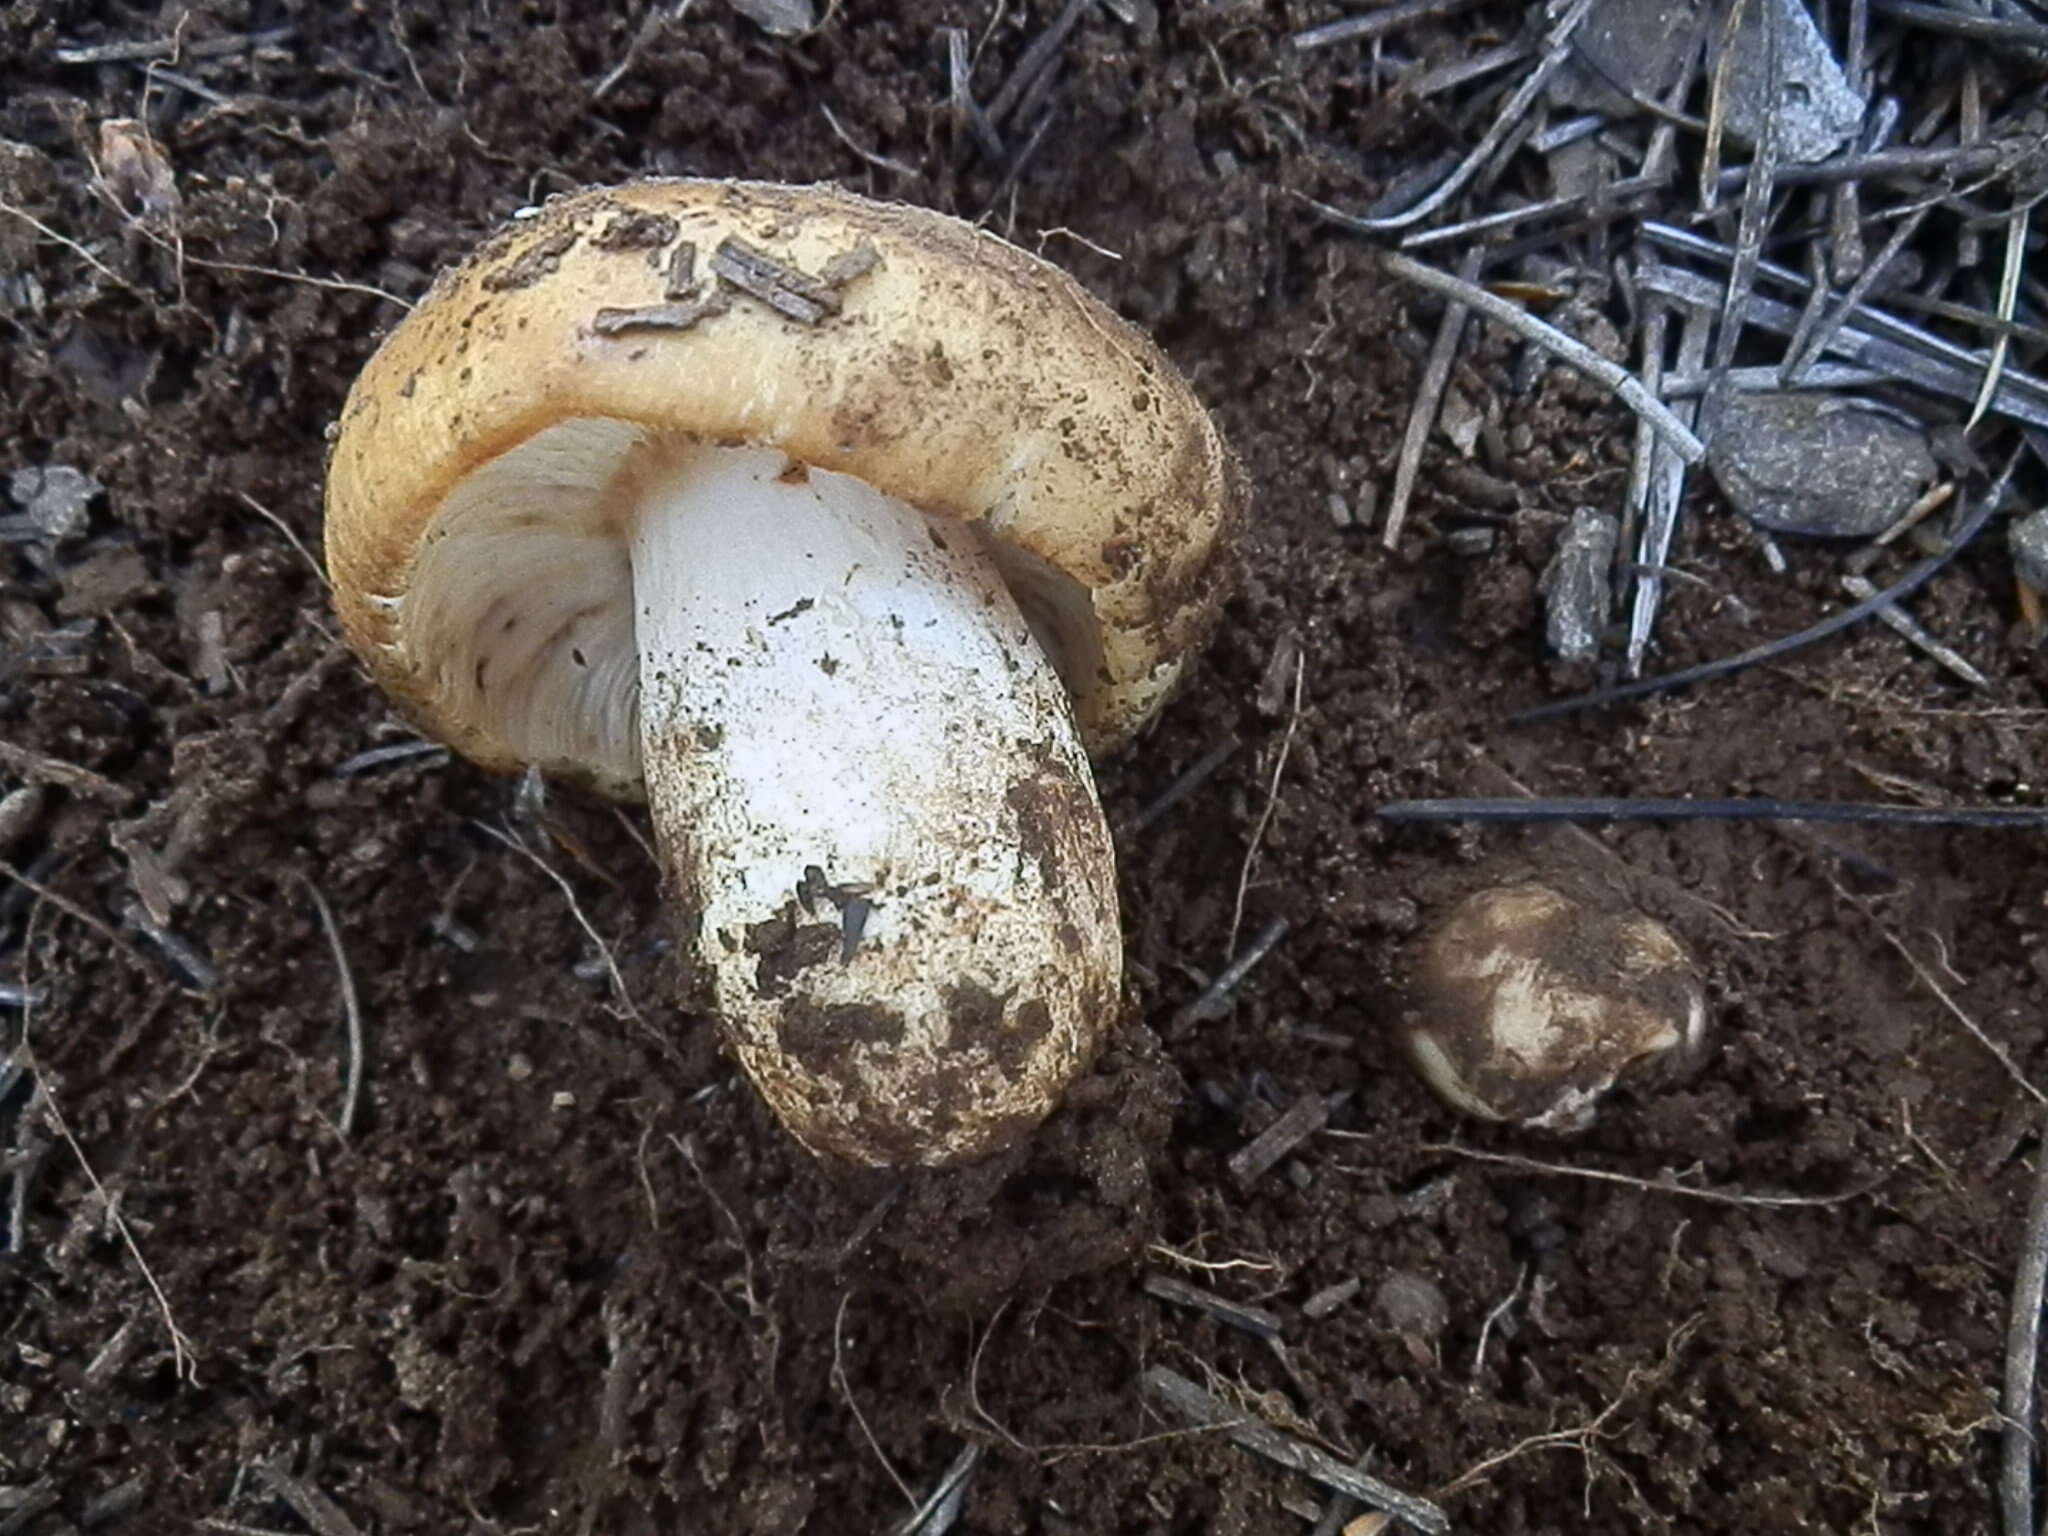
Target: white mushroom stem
866, 782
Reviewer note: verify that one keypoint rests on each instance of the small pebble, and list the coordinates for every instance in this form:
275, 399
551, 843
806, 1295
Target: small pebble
1577, 597
1330, 1298
53, 501
779, 18
519, 1067
1470, 542
20, 810
2029, 541
1817, 464
1411, 1305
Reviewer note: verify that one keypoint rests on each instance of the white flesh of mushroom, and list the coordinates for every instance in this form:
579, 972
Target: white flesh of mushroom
865, 778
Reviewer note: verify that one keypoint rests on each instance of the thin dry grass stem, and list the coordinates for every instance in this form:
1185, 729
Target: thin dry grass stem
1603, 1176
1717, 106
1593, 844
307, 1502
71, 909
872, 157
40, 768
770, 1341
576, 911
1079, 239
351, 1010
739, 1233
1611, 376
1429, 394
291, 537
1585, 1434
70, 245
2008, 303
1500, 1310
2022, 1352
1189, 1261
1961, 1015
1557, 48
839, 1379
1251, 852
174, 247
183, 1356
1047, 1455
646, 1180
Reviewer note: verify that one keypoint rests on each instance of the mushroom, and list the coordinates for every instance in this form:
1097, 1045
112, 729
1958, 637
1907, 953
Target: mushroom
1529, 1003
842, 533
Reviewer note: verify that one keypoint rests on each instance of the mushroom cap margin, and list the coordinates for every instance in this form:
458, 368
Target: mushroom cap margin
961, 375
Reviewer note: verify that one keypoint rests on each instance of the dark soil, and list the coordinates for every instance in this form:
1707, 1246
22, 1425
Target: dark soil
564, 1273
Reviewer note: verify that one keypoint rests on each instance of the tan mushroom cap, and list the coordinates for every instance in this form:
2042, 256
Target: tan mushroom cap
958, 374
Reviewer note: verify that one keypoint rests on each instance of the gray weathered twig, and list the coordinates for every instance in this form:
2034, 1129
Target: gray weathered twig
1205, 1409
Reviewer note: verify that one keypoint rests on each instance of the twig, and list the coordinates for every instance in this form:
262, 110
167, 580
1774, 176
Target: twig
396, 752
1557, 48
1613, 199
880, 161
568, 891
1210, 1004
1664, 498
1036, 59
141, 52
1429, 393
1374, 24
1192, 778
1301, 1120
1761, 808
1611, 376
1499, 1311
960, 97
1933, 500
1751, 220
1962, 1017
1256, 1321
183, 1356
1887, 164
69, 244
845, 1386
187, 957
331, 284
1805, 351
1911, 582
1602, 1176
1586, 1432
1987, 29
1210, 1412
1717, 102
71, 909
924, 1520
38, 768
351, 1008
307, 1502
1258, 837
291, 537
1915, 634
2022, 1355
2008, 300
1880, 340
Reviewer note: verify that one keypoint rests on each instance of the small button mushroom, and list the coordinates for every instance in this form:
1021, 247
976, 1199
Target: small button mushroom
843, 533
1528, 1003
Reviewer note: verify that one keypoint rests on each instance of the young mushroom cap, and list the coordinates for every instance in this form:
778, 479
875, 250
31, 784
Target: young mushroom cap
841, 532
1528, 1003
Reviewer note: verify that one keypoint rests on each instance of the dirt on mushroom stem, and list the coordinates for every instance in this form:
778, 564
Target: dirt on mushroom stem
490, 1307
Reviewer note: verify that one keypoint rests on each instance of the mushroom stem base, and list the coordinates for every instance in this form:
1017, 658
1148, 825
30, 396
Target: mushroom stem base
873, 805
